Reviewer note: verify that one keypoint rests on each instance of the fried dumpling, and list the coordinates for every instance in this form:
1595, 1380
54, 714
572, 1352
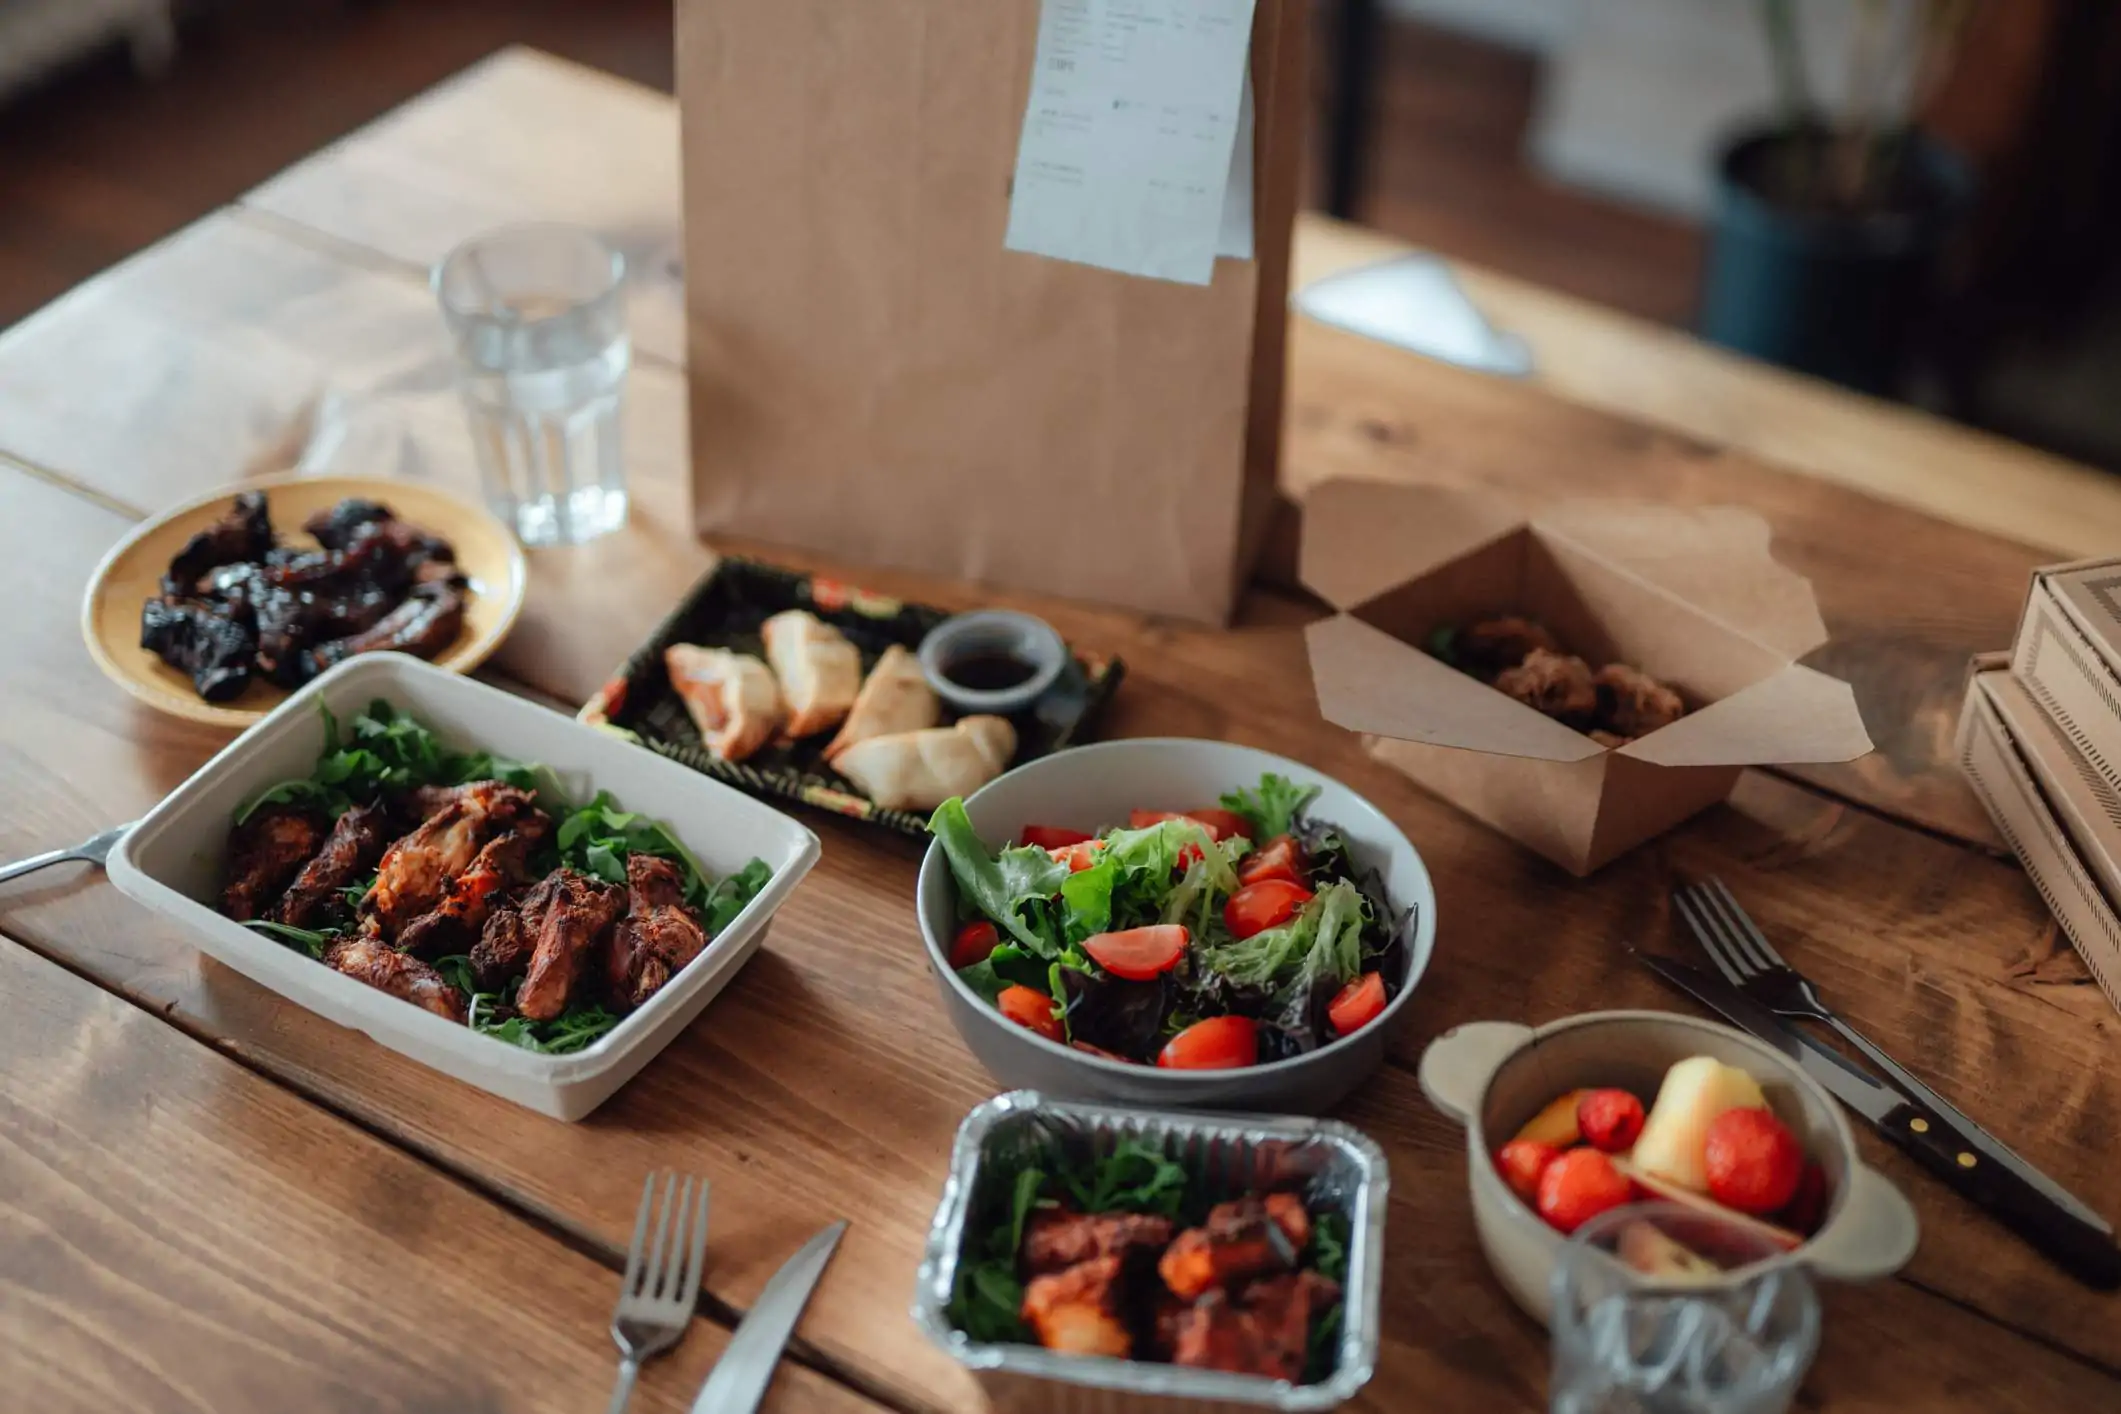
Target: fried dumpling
920, 770
820, 671
895, 698
732, 697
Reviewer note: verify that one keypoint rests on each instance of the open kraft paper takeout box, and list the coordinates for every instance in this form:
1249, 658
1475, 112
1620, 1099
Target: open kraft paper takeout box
1688, 595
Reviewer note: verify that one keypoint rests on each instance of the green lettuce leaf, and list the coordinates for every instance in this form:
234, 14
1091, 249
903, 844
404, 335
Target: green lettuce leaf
1272, 809
1007, 966
999, 885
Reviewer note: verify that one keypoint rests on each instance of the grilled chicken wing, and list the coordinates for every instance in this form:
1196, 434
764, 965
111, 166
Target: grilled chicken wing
1054, 1239
417, 869
568, 913
469, 898
386, 969
657, 936
1242, 1238
244, 533
1077, 1310
265, 853
504, 947
426, 622
350, 851
1265, 1331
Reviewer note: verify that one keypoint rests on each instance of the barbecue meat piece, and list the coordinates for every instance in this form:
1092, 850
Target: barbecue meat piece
206, 642
1240, 1239
417, 869
1492, 645
1553, 683
469, 898
1078, 1310
1632, 703
386, 969
568, 913
265, 853
1054, 1239
657, 936
424, 623
504, 947
1264, 1331
334, 527
349, 853
245, 533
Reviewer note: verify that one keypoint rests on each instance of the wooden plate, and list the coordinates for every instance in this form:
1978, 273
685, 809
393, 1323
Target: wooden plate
132, 573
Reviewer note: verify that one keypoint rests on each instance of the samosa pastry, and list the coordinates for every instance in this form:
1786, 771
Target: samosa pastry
732, 697
820, 671
920, 770
895, 698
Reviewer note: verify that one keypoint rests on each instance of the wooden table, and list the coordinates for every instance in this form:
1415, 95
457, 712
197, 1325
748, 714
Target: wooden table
210, 1199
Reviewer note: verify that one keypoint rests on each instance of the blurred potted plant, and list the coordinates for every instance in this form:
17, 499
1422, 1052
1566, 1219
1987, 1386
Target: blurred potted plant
1828, 223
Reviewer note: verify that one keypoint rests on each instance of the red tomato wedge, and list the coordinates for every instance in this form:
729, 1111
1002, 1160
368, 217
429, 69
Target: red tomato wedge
973, 942
1051, 837
1357, 1004
1077, 857
1219, 1043
1143, 819
1223, 824
1268, 904
1139, 954
1279, 858
1029, 1007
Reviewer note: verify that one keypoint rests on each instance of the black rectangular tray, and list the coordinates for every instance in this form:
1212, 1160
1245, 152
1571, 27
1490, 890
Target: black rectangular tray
725, 610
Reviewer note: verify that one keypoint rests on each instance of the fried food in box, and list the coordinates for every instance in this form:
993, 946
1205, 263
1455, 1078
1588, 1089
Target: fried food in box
1554, 683
1491, 646
1522, 657
1631, 703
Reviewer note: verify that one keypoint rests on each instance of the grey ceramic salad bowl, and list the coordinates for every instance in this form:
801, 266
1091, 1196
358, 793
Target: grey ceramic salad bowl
1092, 787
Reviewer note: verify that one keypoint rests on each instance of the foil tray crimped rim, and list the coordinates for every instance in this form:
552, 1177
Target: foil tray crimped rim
1362, 1293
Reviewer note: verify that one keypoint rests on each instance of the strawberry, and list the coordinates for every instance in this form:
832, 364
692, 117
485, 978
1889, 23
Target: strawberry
1578, 1186
1807, 1209
1521, 1162
1752, 1160
1609, 1119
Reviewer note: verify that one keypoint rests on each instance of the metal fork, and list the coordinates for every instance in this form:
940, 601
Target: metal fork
661, 1285
1749, 962
91, 851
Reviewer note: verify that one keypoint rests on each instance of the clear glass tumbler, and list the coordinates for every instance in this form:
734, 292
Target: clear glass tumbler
1660, 1309
538, 313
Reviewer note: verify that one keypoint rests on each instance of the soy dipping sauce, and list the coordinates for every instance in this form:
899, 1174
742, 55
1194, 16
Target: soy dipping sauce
988, 670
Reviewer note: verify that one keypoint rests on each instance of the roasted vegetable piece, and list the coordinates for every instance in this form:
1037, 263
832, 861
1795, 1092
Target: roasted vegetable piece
206, 642
1265, 1330
1054, 1239
1241, 1238
1077, 1310
245, 533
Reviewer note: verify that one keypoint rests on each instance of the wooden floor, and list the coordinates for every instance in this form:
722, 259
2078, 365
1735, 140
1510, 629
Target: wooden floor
100, 163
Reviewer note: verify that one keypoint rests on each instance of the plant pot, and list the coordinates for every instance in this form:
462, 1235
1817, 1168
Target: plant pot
1830, 292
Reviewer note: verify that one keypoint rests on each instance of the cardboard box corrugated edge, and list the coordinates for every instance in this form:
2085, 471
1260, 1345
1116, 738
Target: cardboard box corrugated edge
1997, 769
2071, 665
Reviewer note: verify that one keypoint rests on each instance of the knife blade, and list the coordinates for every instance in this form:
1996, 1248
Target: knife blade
2084, 1249
739, 1379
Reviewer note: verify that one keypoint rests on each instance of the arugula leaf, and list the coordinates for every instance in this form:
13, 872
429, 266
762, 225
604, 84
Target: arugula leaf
1133, 1177
1024, 1197
456, 971
1272, 809
999, 885
728, 898
1329, 1245
313, 943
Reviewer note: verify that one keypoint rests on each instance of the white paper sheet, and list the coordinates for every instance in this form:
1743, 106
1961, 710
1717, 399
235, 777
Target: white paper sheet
1235, 239
1129, 134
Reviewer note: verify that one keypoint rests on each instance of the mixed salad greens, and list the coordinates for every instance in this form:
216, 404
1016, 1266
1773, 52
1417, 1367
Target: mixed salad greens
382, 753
1200, 939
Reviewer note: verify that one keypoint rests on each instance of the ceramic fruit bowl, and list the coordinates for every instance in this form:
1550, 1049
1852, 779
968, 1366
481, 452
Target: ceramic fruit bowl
1493, 1076
1090, 787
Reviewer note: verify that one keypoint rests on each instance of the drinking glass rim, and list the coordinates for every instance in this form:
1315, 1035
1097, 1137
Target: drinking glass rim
464, 249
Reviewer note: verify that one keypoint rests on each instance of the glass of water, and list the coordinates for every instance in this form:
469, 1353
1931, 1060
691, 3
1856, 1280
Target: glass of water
1661, 1309
538, 313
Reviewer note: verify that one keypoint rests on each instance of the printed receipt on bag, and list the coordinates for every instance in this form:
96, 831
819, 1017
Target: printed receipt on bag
1136, 152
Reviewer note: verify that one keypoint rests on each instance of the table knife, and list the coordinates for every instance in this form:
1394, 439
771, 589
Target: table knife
739, 1379
2084, 1250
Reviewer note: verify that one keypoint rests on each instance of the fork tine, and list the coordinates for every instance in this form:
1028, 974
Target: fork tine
1689, 905
689, 1292
681, 1241
640, 1235
1733, 921
1752, 930
652, 1277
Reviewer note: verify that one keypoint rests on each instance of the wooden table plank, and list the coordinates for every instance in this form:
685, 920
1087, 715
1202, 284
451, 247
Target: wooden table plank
178, 1233
829, 1057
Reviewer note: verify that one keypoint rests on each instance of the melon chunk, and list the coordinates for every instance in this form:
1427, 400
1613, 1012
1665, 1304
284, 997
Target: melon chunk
1674, 1138
1556, 1124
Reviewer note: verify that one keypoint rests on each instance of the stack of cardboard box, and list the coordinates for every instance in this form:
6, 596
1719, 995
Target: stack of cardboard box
2041, 742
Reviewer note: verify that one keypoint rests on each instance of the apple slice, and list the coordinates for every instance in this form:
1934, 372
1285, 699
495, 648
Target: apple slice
1662, 1188
1556, 1124
1675, 1136
1657, 1254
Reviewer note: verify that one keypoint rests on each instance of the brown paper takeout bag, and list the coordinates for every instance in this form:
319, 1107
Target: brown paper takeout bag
874, 376
1688, 595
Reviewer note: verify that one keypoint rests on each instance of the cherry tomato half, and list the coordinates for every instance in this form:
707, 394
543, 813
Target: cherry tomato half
1143, 819
1268, 904
973, 942
1223, 824
1051, 837
1029, 1007
1077, 857
1357, 1004
1279, 858
1219, 1043
1139, 954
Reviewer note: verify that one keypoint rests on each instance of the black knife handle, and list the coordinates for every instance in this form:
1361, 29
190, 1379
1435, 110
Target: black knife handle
2065, 1239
